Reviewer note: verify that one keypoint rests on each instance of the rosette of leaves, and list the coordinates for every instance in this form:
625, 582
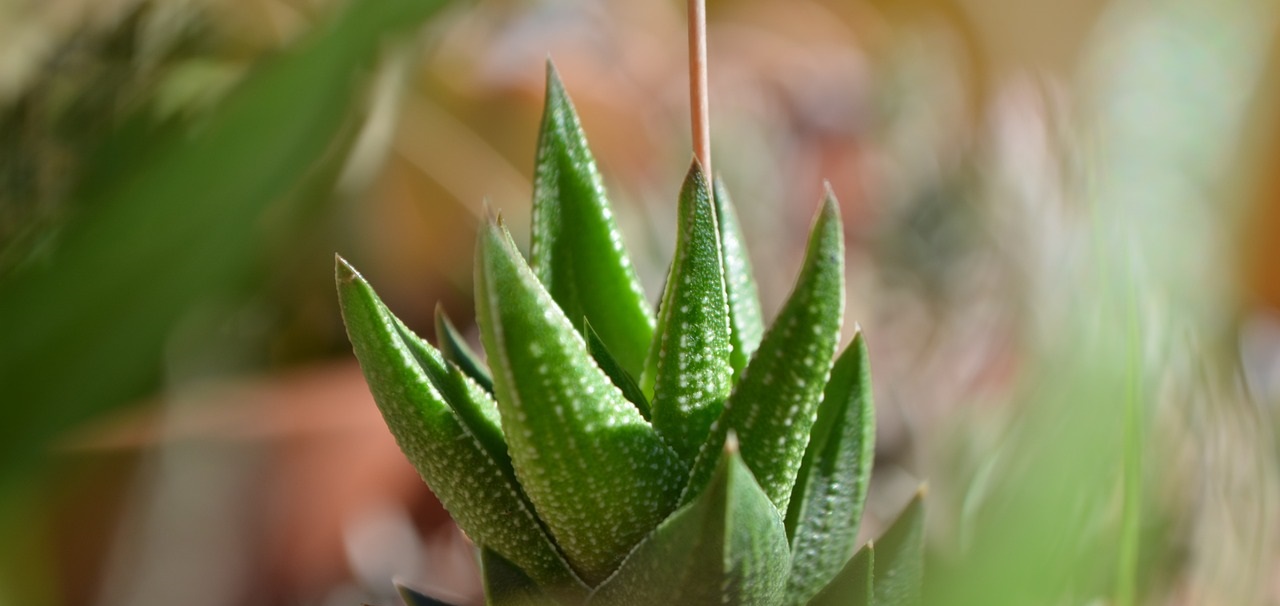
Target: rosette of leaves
610, 455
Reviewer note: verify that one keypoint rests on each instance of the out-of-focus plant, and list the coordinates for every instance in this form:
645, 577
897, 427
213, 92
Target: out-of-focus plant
1114, 452
137, 187
164, 223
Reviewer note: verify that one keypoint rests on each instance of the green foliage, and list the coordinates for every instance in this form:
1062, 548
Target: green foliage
714, 491
171, 226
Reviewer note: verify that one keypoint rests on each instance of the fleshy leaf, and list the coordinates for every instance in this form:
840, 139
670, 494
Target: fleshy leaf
728, 546
473, 406
831, 487
899, 571
620, 377
506, 585
596, 471
455, 349
772, 407
688, 369
578, 253
740, 285
483, 498
853, 585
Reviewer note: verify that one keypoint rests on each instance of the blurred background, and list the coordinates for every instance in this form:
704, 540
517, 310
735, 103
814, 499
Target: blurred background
1063, 224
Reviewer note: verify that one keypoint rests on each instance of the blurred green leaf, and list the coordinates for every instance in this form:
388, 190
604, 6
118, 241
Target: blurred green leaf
853, 584
597, 472
831, 486
413, 597
899, 555
85, 332
687, 369
726, 547
577, 249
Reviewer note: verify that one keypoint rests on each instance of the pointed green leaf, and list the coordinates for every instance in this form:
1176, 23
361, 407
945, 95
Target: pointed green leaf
506, 585
596, 471
473, 485
577, 249
745, 321
620, 377
455, 349
899, 571
853, 585
726, 547
831, 487
473, 406
773, 405
688, 368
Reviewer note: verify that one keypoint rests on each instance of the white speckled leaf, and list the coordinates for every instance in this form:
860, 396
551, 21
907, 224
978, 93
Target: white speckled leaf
688, 369
482, 497
853, 585
578, 253
595, 470
899, 569
726, 547
831, 487
746, 325
454, 348
472, 405
772, 407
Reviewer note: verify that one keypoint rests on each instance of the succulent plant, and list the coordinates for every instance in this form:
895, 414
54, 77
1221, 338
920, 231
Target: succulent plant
608, 455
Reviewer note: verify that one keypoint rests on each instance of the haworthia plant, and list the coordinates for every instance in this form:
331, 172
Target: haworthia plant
606, 457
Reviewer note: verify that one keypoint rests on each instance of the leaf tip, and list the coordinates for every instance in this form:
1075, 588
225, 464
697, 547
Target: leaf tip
731, 443
830, 204
555, 85
442, 322
697, 175
343, 271
491, 214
